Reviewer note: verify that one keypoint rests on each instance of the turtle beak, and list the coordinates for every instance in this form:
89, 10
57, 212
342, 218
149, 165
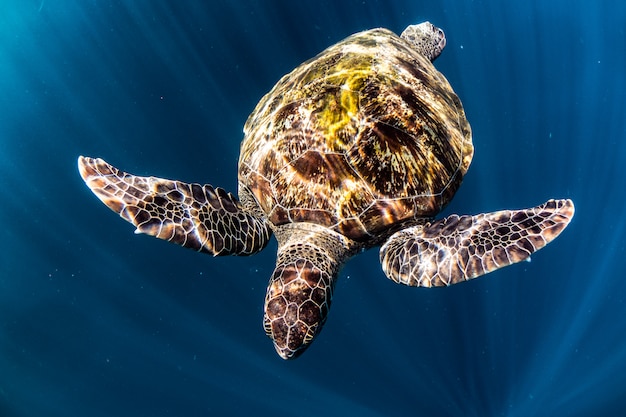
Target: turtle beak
287, 353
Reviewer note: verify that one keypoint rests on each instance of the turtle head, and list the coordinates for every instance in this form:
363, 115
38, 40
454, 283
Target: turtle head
425, 38
296, 306
301, 287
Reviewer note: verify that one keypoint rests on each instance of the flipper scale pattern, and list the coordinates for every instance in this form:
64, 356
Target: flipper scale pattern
199, 217
459, 248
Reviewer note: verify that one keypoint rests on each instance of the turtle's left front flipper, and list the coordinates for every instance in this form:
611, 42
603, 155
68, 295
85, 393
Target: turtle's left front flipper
459, 248
199, 217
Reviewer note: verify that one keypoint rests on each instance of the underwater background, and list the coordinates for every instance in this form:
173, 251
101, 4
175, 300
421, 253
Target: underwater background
97, 321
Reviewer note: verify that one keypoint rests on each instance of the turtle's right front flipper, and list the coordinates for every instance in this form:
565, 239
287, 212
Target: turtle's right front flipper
459, 248
195, 216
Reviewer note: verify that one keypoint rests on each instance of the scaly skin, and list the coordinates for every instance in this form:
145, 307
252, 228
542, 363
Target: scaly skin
459, 248
301, 288
363, 144
198, 217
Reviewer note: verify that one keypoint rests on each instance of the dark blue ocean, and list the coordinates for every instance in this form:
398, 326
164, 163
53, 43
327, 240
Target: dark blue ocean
96, 321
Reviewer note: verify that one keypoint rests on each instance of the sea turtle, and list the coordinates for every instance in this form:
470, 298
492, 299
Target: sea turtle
358, 147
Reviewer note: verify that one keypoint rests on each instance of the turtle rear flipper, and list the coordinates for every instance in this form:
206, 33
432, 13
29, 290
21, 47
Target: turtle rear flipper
459, 248
199, 217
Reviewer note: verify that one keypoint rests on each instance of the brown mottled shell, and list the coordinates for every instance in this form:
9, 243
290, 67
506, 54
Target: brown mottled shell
364, 136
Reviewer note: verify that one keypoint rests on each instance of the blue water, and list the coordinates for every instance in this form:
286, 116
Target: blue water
97, 321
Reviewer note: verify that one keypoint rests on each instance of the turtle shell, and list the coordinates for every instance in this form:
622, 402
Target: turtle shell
363, 137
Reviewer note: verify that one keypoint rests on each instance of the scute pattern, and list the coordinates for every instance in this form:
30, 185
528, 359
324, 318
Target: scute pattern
362, 145
202, 218
459, 248
365, 135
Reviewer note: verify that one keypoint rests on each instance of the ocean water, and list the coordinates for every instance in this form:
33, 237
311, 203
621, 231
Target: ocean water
97, 321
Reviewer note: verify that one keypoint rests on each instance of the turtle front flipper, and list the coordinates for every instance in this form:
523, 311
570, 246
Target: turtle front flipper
199, 217
301, 287
459, 248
